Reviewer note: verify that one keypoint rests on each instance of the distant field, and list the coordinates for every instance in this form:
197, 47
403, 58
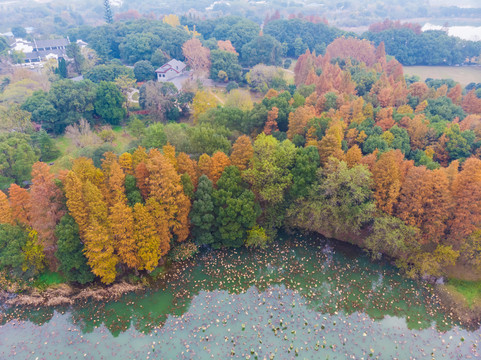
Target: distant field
462, 74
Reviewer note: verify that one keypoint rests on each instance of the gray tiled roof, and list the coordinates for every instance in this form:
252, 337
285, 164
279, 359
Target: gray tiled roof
51, 43
42, 54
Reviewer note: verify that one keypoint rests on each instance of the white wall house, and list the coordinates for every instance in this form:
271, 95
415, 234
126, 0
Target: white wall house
170, 70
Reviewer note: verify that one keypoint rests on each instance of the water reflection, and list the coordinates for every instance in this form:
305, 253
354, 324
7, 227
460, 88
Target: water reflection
293, 296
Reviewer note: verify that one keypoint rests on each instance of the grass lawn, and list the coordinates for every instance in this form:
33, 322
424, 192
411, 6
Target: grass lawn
462, 74
470, 290
47, 279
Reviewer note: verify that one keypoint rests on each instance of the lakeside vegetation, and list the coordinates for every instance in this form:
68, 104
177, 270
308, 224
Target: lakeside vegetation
340, 145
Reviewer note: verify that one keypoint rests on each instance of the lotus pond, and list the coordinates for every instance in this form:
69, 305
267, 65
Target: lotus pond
306, 298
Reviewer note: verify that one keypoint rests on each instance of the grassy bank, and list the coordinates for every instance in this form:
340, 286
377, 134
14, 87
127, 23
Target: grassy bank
469, 290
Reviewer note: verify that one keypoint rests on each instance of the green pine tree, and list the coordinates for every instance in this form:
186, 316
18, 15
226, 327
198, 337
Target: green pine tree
109, 18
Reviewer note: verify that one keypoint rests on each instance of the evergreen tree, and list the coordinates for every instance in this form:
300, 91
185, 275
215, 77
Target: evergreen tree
236, 210
62, 68
73, 263
202, 214
108, 12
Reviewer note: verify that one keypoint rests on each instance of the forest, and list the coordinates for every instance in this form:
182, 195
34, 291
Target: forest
351, 149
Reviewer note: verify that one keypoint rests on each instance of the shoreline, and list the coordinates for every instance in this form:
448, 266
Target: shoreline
65, 295
68, 295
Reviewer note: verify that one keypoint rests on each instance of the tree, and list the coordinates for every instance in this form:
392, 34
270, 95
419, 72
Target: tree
48, 149
226, 46
187, 166
144, 71
146, 238
172, 20
162, 100
340, 203
225, 61
239, 99
34, 256
269, 174
204, 165
329, 146
299, 119
62, 68
138, 46
74, 52
391, 236
262, 49
69, 102
73, 263
108, 103
16, 158
165, 188
20, 204
242, 152
202, 214
306, 164
108, 12
108, 72
353, 156
19, 32
235, 208
219, 162
257, 238
207, 139
466, 213
12, 241
198, 57
46, 208
5, 210
388, 175
271, 123
203, 101
132, 191
121, 222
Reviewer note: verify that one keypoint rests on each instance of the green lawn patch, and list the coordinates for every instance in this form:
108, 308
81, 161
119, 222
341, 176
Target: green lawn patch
470, 290
47, 279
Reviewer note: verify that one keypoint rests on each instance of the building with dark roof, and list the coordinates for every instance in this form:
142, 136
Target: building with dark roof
40, 50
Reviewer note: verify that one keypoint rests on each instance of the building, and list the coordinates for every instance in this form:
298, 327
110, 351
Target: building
170, 70
40, 50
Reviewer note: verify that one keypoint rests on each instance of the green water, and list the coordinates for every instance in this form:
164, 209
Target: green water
302, 298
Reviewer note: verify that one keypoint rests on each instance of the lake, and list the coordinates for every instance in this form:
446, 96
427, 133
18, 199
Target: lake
304, 297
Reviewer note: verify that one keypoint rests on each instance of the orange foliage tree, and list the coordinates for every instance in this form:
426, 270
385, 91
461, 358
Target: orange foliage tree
466, 213
271, 123
242, 152
219, 162
5, 210
388, 175
46, 208
20, 204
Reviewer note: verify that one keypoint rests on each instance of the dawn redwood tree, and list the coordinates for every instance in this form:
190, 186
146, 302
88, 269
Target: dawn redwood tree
388, 175
20, 204
188, 166
242, 152
146, 237
46, 208
219, 162
5, 210
466, 213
